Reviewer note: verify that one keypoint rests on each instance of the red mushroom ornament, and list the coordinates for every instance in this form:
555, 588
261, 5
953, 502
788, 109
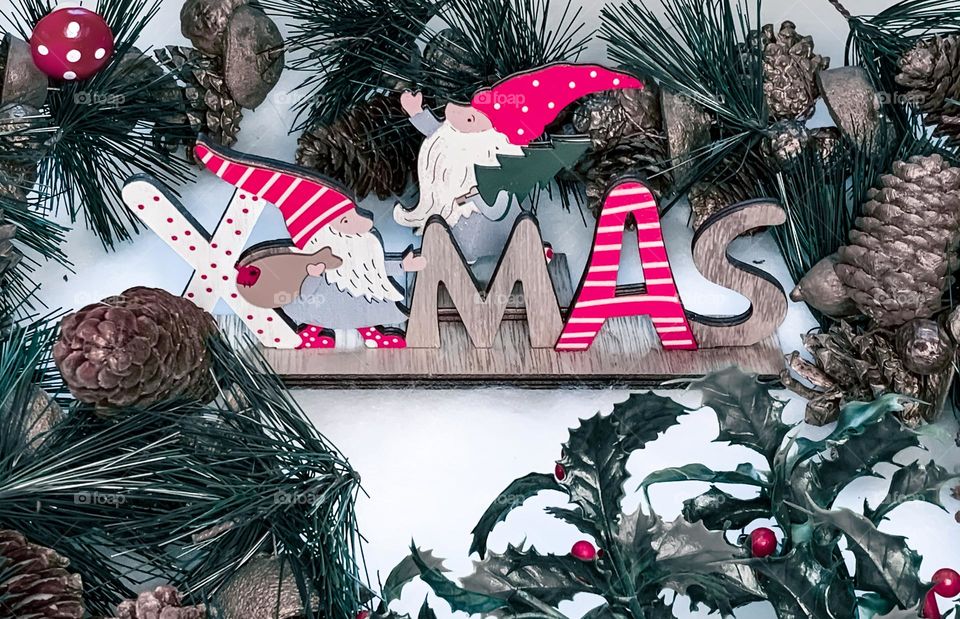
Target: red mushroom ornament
71, 43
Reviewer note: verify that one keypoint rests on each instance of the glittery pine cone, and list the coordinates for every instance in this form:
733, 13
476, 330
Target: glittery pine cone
371, 148
903, 248
136, 349
850, 365
35, 582
161, 603
790, 69
930, 73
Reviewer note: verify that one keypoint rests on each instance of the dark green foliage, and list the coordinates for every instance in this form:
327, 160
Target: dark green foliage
641, 555
103, 129
535, 169
187, 491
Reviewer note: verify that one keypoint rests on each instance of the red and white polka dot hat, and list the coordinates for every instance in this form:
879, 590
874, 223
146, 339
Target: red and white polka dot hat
522, 105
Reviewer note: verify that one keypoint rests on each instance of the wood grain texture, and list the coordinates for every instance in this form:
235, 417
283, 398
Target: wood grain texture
768, 302
626, 354
482, 310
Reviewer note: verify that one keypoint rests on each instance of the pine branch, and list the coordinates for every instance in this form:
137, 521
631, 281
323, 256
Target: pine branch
102, 127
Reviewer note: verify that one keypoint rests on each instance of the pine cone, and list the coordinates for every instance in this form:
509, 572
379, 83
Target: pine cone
931, 74
161, 603
371, 148
209, 107
447, 59
642, 154
853, 366
608, 117
21, 148
733, 181
903, 248
136, 349
35, 583
204, 22
788, 139
9, 255
790, 72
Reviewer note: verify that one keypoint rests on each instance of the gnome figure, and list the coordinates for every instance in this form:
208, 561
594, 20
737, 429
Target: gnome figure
334, 276
499, 121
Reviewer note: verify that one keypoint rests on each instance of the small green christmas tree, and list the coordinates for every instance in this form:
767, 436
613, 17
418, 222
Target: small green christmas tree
537, 167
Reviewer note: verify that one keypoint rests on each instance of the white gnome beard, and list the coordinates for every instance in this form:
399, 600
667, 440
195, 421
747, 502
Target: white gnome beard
446, 169
364, 269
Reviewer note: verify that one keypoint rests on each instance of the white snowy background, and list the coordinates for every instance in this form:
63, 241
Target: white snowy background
432, 461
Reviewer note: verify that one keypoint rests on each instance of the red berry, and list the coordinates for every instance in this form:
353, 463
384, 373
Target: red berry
71, 43
584, 551
946, 583
559, 471
363, 614
763, 543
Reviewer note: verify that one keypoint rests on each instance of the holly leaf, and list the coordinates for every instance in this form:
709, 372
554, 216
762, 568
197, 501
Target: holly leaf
884, 562
748, 414
512, 497
799, 587
404, 572
855, 418
536, 167
721, 511
914, 482
643, 417
745, 474
634, 539
426, 612
456, 596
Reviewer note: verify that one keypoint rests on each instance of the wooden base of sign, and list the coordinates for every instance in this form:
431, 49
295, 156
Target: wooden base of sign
626, 354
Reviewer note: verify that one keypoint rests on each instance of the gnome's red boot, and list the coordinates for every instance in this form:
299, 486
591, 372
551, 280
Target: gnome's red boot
380, 337
312, 337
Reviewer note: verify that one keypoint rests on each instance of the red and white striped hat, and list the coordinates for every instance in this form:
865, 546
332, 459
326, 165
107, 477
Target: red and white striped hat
306, 201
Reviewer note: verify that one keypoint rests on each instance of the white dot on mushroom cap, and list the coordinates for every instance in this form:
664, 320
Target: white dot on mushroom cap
573, 84
69, 75
74, 55
42, 49
536, 83
593, 74
73, 30
100, 53
616, 81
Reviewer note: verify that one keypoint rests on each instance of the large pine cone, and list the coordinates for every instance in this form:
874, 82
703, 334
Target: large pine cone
35, 583
903, 248
136, 349
931, 74
733, 181
640, 154
790, 69
371, 148
209, 106
853, 366
162, 603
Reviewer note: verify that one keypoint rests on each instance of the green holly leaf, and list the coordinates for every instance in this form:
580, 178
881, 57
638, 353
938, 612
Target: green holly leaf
456, 596
595, 457
404, 572
799, 587
745, 474
884, 562
512, 497
539, 164
703, 565
426, 612
856, 456
633, 545
914, 482
530, 580
720, 511
748, 414
855, 418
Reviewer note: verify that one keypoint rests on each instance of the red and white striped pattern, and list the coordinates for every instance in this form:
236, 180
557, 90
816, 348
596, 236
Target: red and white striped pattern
307, 205
597, 300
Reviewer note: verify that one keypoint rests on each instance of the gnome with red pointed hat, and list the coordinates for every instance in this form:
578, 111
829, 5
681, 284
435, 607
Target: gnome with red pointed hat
498, 121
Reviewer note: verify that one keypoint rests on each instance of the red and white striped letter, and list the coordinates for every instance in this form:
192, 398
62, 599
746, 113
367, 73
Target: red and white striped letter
597, 299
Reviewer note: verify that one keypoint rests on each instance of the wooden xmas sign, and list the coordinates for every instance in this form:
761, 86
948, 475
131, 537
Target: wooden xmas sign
437, 315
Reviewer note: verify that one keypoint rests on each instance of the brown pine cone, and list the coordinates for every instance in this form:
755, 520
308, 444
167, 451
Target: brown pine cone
10, 256
930, 72
854, 366
208, 105
790, 69
21, 148
641, 154
136, 349
733, 181
371, 148
35, 582
608, 117
162, 603
903, 248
